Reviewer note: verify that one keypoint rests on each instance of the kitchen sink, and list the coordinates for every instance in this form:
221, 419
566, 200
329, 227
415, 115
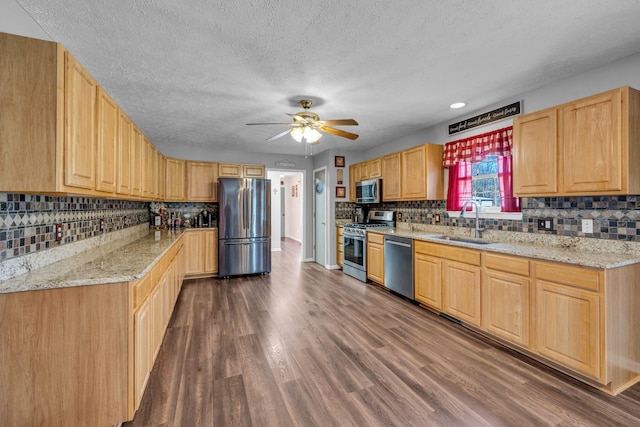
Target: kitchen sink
464, 240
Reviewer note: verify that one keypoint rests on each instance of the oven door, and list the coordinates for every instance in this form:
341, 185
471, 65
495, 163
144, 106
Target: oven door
355, 250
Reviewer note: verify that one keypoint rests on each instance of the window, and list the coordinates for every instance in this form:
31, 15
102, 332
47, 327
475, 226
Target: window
480, 168
484, 182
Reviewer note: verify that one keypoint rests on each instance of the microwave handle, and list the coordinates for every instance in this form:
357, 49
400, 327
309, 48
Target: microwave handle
375, 190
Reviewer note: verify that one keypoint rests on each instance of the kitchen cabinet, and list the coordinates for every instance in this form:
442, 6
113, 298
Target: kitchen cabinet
569, 317
339, 246
427, 276
107, 142
584, 147
352, 181
125, 155
137, 161
459, 284
80, 125
175, 180
422, 174
391, 177
235, 170
375, 168
375, 257
505, 298
142, 350
202, 252
202, 180
362, 171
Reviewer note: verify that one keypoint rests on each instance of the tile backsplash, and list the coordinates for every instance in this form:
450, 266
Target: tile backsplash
27, 220
614, 217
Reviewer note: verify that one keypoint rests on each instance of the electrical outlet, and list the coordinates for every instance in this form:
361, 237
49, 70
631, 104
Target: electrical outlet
587, 226
58, 232
545, 224
101, 225
437, 218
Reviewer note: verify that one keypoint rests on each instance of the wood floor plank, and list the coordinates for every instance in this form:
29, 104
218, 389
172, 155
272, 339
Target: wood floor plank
306, 346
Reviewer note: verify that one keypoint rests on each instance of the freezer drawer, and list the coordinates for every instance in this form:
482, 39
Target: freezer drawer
244, 256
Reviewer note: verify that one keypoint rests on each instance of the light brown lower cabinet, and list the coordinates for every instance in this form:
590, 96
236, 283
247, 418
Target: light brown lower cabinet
506, 298
202, 252
583, 321
339, 246
375, 257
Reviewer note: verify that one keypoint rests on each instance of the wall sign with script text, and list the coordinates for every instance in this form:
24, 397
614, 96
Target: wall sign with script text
486, 118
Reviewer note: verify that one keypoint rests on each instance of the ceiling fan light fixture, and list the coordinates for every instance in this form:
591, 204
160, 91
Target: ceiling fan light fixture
306, 133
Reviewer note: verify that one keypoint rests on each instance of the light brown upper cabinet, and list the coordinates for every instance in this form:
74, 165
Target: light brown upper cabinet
137, 163
125, 155
391, 177
584, 147
353, 175
375, 168
422, 174
175, 180
202, 178
107, 142
236, 170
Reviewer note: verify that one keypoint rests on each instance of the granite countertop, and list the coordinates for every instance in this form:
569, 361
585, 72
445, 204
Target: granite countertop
109, 263
585, 252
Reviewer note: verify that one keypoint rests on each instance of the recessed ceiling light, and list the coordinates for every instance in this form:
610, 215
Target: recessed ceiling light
457, 105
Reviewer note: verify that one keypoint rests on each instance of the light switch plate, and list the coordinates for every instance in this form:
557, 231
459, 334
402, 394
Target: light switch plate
587, 226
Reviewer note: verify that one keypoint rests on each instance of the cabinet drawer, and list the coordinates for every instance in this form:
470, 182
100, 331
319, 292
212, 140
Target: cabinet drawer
467, 256
375, 238
570, 275
508, 264
141, 289
340, 230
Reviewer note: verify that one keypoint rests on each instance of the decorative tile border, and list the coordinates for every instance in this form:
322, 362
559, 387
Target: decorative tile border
614, 217
27, 220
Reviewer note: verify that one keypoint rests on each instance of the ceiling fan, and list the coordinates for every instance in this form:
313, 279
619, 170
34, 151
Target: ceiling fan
307, 126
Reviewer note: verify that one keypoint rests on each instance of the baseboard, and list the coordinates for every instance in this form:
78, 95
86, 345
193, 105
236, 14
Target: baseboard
333, 267
276, 249
308, 260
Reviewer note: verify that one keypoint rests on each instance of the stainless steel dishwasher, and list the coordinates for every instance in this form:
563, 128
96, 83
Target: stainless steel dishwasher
398, 265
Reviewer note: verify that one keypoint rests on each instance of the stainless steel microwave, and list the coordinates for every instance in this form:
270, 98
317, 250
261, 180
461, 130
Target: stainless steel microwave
369, 191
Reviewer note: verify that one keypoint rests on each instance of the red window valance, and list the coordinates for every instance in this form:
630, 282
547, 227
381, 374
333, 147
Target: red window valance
476, 148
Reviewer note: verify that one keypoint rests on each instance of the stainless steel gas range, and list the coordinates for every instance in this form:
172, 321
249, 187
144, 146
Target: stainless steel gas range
355, 242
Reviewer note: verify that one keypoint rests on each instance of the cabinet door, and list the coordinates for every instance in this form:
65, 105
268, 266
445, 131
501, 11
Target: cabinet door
125, 155
535, 153
353, 177
202, 179
375, 262
568, 327
157, 319
391, 189
375, 168
195, 258
593, 145
137, 165
107, 144
462, 291
363, 171
428, 280
210, 251
414, 174
142, 354
229, 170
80, 128
253, 171
339, 247
505, 306
175, 180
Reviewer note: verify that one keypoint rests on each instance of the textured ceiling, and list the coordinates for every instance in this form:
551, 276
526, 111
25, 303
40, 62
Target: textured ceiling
194, 72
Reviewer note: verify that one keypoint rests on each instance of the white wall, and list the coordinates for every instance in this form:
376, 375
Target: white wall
274, 176
293, 208
14, 20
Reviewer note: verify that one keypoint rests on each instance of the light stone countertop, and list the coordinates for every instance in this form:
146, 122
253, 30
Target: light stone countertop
587, 252
110, 263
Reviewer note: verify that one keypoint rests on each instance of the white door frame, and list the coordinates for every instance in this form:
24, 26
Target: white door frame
303, 213
326, 215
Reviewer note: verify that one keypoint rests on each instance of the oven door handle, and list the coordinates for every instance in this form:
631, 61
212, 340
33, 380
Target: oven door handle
353, 236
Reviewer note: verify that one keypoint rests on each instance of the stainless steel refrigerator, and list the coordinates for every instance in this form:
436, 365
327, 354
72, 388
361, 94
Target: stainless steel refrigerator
244, 226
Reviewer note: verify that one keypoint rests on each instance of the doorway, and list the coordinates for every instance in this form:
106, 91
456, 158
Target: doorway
286, 207
320, 216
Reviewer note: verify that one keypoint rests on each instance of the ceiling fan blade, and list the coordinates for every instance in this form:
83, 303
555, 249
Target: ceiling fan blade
281, 134
268, 124
339, 132
341, 122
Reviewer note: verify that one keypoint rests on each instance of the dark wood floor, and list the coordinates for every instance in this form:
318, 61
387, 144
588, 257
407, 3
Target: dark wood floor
305, 346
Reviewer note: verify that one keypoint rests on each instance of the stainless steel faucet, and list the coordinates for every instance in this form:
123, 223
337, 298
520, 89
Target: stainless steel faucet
477, 207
